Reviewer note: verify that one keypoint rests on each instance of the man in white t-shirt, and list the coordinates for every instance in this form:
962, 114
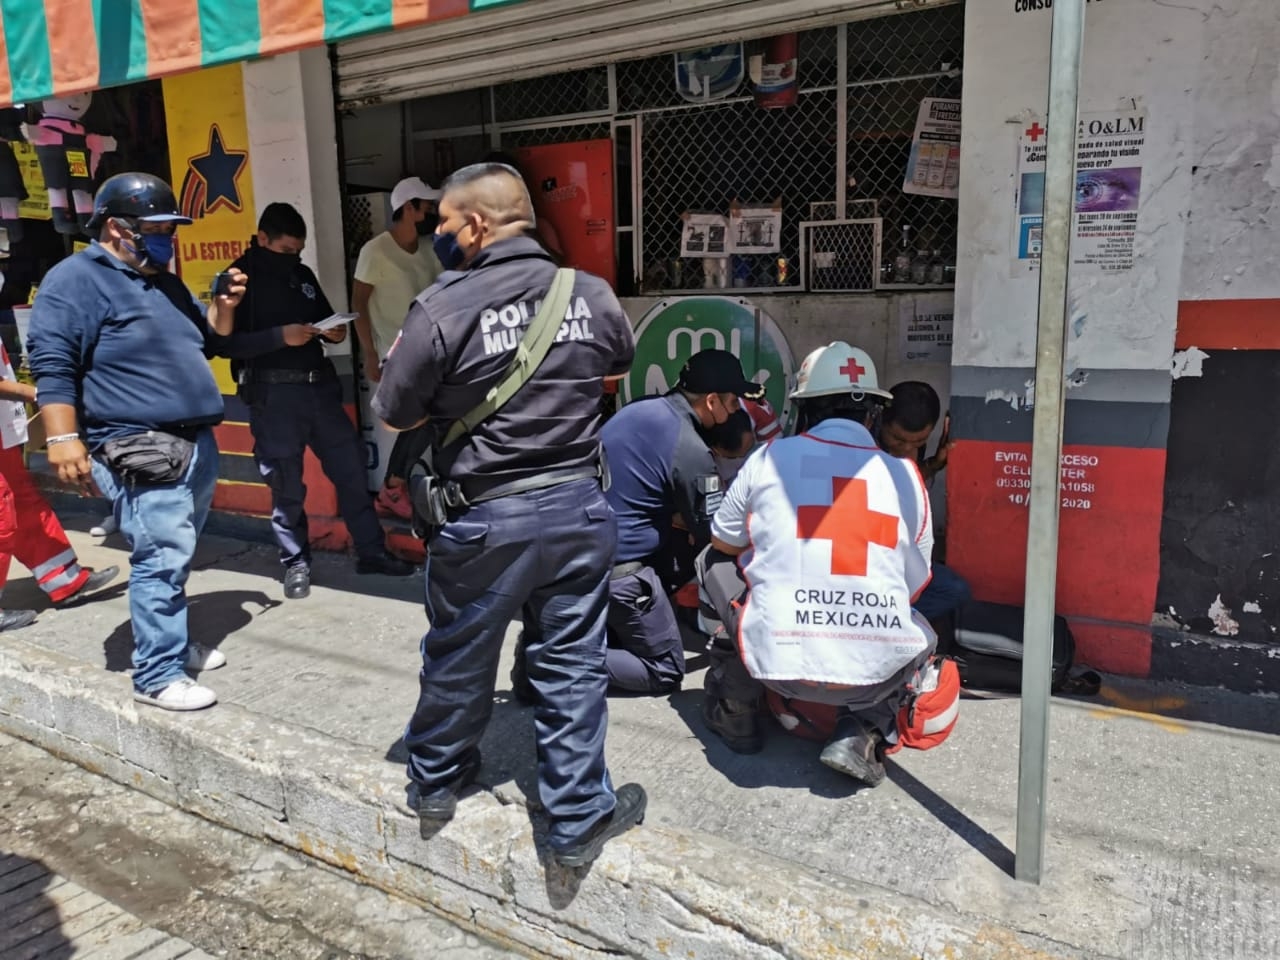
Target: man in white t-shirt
834, 537
393, 268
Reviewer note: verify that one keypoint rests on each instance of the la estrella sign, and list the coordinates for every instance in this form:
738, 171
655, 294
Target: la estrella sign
675, 329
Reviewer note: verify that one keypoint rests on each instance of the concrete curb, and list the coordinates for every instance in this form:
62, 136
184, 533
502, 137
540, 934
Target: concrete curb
655, 893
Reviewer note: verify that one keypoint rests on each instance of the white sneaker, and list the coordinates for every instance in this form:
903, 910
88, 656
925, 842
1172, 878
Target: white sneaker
106, 528
200, 657
183, 694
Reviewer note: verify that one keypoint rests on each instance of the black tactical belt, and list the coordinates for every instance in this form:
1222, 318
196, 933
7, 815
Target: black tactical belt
285, 376
626, 569
466, 494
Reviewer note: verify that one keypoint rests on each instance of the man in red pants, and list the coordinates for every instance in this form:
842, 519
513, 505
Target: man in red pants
29, 529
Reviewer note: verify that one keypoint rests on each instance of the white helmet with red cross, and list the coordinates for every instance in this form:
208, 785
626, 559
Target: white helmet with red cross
836, 369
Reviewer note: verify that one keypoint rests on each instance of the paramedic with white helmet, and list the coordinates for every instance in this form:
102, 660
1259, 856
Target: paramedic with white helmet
834, 537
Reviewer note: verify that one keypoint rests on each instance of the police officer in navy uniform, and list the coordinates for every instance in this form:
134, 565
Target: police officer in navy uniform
295, 399
531, 535
665, 489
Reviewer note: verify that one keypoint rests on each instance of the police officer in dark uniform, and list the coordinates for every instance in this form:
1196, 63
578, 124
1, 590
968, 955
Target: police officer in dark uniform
663, 476
529, 533
295, 399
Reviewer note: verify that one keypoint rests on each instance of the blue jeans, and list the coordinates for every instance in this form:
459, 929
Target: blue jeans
946, 593
162, 524
545, 555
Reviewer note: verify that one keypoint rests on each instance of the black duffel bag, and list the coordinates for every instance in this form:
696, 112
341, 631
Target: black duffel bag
986, 644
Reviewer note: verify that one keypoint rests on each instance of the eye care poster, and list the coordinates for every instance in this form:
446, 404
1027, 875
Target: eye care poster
1109, 162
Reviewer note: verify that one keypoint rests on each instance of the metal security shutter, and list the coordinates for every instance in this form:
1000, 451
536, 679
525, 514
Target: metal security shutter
553, 36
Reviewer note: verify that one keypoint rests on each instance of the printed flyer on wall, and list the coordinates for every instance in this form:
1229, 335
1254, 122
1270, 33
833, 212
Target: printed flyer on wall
1109, 160
933, 169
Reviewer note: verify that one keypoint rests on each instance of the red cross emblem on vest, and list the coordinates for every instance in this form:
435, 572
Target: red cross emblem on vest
850, 524
853, 370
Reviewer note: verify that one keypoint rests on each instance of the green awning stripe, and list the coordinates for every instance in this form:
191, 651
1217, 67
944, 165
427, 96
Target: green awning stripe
351, 18
229, 30
122, 42
27, 47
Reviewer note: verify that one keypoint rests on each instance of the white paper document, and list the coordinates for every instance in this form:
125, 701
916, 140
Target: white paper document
337, 320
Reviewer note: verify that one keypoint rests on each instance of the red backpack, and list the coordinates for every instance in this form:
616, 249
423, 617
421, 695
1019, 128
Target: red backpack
926, 718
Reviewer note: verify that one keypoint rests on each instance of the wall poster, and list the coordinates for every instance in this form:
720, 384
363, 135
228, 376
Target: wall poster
1110, 153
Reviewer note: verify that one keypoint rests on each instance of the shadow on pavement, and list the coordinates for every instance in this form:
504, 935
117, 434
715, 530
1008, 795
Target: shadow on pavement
31, 923
967, 830
785, 761
211, 618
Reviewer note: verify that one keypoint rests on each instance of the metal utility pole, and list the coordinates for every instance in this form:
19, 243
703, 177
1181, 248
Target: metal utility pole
1046, 440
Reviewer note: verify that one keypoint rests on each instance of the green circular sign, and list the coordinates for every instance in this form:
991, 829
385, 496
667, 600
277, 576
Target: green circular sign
675, 329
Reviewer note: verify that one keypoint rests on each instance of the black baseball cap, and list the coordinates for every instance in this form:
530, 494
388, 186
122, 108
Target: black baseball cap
717, 371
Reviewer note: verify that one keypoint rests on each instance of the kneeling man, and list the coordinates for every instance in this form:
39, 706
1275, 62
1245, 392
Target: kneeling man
834, 537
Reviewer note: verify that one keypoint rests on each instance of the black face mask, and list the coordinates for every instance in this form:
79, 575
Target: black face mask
277, 262
727, 435
427, 225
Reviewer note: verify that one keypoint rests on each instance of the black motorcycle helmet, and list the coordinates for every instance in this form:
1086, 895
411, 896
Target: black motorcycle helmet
136, 197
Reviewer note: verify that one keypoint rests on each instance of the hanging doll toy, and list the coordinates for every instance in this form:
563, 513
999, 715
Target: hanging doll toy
69, 159
12, 190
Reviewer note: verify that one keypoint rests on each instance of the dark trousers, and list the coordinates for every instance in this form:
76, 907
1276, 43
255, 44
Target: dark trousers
646, 653
545, 554
409, 447
875, 705
285, 419
946, 593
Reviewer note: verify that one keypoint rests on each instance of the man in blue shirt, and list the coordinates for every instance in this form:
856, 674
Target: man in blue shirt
664, 476
117, 347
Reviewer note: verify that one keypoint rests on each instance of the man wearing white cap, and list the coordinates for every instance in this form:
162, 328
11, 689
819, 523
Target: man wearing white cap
393, 268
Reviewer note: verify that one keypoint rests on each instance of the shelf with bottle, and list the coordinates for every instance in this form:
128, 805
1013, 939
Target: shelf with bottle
916, 266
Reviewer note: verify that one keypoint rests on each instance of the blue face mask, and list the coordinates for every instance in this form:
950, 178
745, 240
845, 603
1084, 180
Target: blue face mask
448, 252
157, 248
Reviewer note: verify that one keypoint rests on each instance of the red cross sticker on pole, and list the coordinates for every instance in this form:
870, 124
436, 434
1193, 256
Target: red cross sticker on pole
1035, 131
850, 524
853, 370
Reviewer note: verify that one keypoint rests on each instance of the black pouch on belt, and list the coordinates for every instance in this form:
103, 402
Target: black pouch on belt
149, 459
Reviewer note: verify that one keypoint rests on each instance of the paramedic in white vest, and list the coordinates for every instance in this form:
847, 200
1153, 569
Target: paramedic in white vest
834, 537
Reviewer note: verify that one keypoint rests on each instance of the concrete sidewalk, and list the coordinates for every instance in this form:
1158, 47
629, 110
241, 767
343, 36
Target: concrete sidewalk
1163, 841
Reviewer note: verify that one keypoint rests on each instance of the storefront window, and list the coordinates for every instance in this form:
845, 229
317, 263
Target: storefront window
715, 186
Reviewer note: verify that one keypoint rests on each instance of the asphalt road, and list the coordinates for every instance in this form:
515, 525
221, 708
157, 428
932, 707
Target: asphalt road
89, 868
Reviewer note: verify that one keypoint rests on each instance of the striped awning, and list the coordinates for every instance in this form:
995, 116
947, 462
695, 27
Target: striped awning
52, 48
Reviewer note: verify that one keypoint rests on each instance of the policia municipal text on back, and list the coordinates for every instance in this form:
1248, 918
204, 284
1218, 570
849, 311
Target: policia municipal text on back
526, 532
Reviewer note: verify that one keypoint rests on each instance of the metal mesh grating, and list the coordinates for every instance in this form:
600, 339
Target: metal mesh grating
702, 159
841, 256
514, 139
558, 95
358, 223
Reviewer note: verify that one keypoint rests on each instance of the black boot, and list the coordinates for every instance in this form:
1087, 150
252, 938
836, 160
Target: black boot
16, 619
854, 750
628, 813
96, 580
439, 804
386, 564
297, 581
736, 721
